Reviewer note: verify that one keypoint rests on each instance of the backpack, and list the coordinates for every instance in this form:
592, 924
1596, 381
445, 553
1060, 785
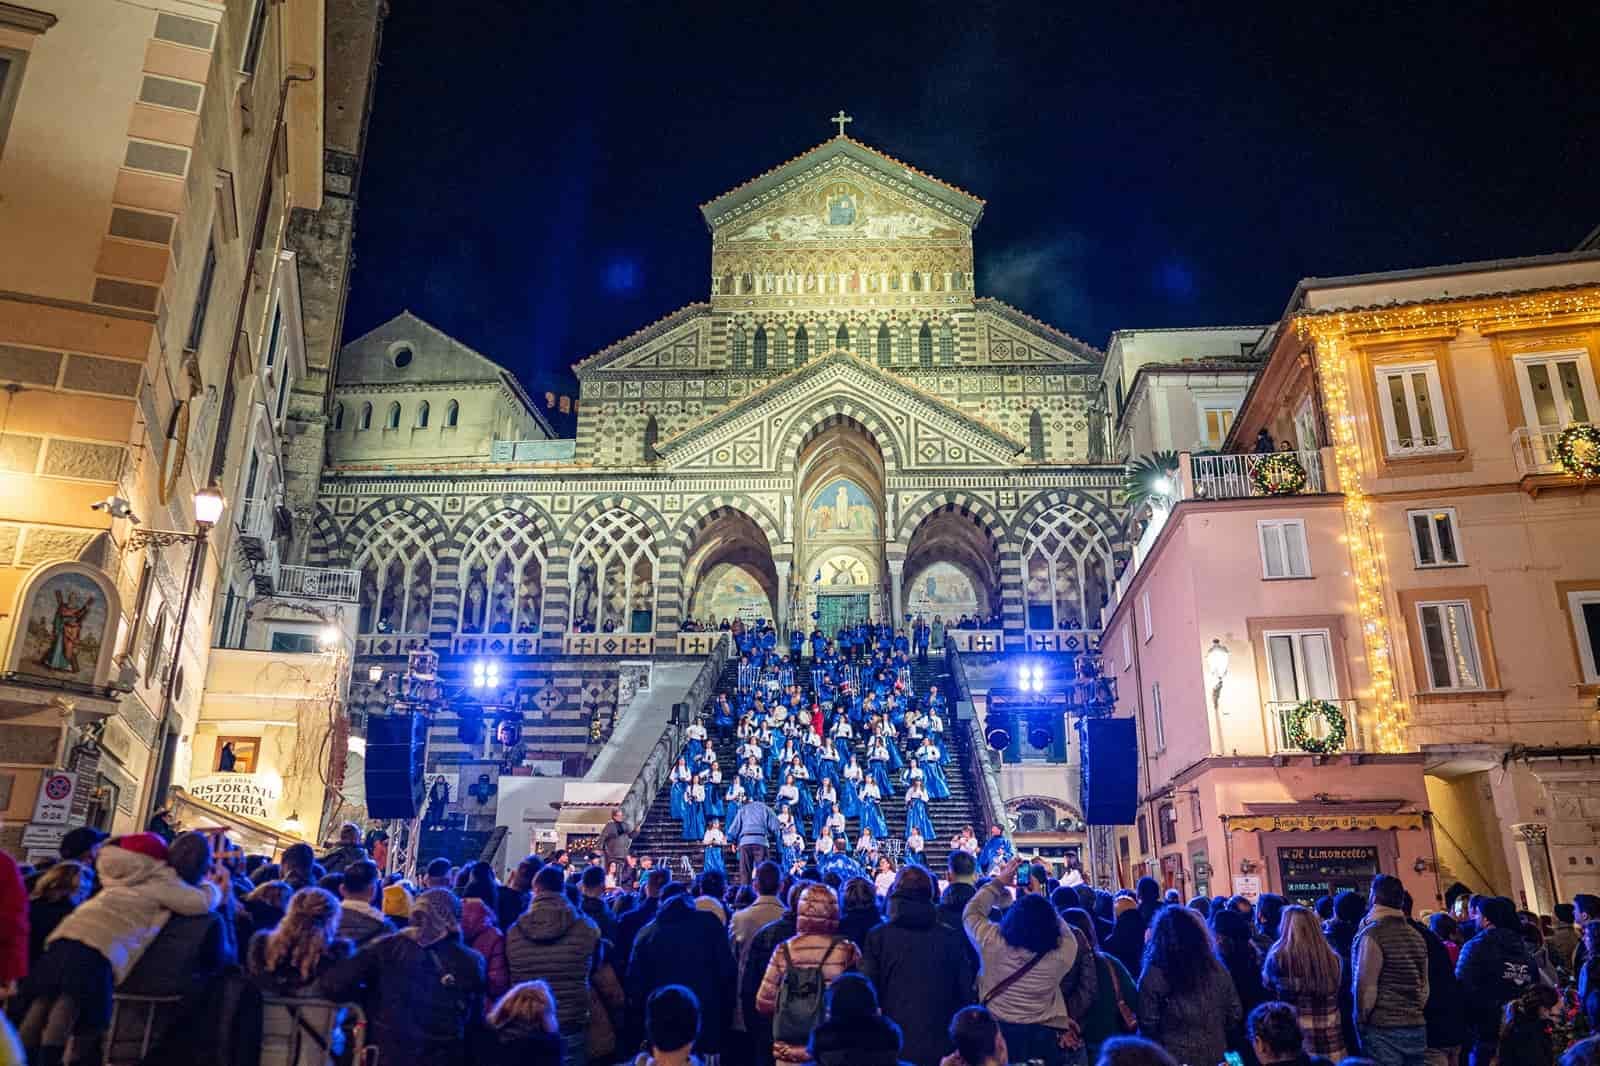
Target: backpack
800, 997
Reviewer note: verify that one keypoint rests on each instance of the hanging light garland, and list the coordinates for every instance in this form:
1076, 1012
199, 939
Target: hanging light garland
1329, 333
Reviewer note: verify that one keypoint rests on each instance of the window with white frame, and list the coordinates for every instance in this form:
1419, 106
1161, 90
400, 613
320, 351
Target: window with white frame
1585, 609
1300, 666
1283, 548
1557, 389
1215, 423
1411, 402
1433, 537
1158, 721
1450, 645
1144, 615
1127, 646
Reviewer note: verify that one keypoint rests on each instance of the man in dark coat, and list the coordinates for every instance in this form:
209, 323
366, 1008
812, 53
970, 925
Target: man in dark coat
348, 852
643, 913
762, 947
554, 943
1444, 1013
921, 968
615, 839
1494, 968
683, 946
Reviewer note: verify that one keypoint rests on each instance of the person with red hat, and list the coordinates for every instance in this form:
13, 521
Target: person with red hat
95, 946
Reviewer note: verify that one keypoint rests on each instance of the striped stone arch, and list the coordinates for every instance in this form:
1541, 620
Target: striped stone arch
963, 503
792, 438
481, 511
690, 521
1055, 803
1109, 522
432, 527
599, 505
325, 539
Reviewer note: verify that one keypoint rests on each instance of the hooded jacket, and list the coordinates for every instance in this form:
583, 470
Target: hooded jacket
871, 1041
923, 973
1495, 968
554, 943
684, 946
813, 945
137, 896
360, 922
479, 933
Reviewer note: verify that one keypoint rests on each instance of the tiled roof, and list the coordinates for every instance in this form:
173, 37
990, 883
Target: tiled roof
848, 140
661, 325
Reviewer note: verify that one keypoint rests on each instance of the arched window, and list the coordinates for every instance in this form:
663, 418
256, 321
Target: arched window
884, 345
422, 415
652, 433
947, 345
1035, 436
780, 347
916, 281
397, 568
452, 414
394, 416
903, 347
504, 577
842, 338
758, 360
802, 346
738, 348
1065, 565
925, 346
366, 416
338, 417
613, 576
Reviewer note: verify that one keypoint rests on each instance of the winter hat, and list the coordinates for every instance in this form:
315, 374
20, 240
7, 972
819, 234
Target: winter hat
1124, 903
149, 845
850, 998
396, 901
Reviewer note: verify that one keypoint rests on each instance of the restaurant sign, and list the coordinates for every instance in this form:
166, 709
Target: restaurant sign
1294, 823
252, 795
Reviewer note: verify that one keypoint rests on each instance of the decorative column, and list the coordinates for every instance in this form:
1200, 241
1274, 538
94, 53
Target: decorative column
897, 570
1533, 856
783, 566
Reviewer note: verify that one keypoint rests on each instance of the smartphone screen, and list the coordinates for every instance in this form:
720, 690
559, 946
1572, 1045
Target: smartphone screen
1232, 1058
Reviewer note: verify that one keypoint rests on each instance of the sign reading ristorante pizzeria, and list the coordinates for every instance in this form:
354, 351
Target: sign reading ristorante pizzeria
248, 794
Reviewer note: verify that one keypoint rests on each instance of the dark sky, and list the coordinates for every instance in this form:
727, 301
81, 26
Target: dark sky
534, 170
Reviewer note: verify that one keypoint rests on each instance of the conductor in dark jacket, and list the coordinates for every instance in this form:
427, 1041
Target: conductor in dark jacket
616, 840
752, 828
920, 967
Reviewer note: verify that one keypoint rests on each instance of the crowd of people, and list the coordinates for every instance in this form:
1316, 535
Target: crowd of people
825, 739
962, 969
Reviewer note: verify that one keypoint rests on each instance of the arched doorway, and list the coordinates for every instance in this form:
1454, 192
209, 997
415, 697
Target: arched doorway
952, 568
728, 569
838, 525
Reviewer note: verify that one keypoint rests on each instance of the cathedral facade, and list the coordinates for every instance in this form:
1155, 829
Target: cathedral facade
844, 429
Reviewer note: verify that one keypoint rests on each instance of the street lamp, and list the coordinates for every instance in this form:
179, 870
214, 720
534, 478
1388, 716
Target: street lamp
1217, 657
208, 507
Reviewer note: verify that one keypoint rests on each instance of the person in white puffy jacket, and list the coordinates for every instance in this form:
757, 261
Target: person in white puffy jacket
96, 946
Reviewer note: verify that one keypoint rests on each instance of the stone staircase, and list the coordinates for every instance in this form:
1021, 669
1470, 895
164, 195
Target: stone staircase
660, 835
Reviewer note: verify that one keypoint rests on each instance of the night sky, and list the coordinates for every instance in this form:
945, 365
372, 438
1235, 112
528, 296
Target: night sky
534, 171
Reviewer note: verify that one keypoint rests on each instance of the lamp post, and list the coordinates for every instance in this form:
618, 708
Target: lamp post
208, 505
1217, 657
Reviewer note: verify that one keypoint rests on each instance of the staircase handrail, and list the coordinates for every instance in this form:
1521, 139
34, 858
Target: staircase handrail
658, 764
980, 768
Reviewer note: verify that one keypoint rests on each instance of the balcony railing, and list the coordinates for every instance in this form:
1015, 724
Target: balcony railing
318, 583
1232, 477
1534, 449
255, 519
1299, 732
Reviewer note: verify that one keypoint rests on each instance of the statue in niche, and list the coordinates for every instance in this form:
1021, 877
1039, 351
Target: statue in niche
501, 618
419, 599
528, 598
1097, 429
583, 597
472, 604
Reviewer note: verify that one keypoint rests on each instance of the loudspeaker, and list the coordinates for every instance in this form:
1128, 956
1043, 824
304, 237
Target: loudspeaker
680, 714
1110, 771
394, 765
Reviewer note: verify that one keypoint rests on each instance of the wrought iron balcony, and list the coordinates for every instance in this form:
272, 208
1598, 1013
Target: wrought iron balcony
319, 583
1534, 449
1233, 477
1297, 729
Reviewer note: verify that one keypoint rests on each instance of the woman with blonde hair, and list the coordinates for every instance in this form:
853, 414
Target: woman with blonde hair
289, 960
1302, 969
523, 1026
57, 892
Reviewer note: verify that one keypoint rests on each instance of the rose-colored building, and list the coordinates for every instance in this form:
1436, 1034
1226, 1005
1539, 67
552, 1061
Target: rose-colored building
1433, 586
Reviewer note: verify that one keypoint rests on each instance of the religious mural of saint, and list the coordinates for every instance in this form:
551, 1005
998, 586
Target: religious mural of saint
842, 208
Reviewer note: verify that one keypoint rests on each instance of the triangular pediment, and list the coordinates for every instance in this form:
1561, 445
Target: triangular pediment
842, 189
1008, 337
679, 341
914, 428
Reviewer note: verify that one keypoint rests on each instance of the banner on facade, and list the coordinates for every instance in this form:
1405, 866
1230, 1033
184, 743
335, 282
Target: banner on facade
252, 795
1296, 823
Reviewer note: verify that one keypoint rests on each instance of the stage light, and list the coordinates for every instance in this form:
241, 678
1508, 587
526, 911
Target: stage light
1039, 735
486, 674
374, 673
998, 737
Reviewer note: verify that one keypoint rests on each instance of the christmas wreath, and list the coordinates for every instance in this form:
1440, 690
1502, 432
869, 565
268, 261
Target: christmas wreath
1578, 451
1278, 474
1297, 717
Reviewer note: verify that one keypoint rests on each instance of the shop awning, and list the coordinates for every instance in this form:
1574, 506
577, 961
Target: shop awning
1297, 823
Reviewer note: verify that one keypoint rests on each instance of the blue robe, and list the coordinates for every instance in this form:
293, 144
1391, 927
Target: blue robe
880, 774
995, 849
917, 815
820, 815
694, 821
714, 860
933, 777
872, 818
842, 864
678, 789
849, 799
